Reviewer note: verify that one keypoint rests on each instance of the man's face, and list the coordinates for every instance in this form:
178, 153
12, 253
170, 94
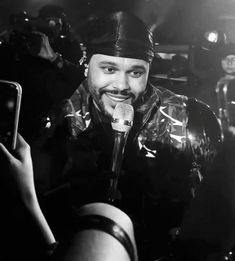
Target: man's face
113, 80
228, 64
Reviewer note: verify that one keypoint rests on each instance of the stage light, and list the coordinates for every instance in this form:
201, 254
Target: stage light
212, 38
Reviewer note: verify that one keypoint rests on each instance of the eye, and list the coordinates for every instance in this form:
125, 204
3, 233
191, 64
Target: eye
108, 69
136, 74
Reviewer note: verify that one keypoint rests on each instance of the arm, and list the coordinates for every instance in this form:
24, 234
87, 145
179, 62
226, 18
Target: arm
20, 172
71, 75
104, 233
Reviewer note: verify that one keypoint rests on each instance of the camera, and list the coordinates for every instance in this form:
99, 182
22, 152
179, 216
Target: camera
23, 37
26, 24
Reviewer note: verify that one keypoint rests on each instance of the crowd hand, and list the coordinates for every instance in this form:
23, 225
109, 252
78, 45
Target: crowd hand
46, 51
19, 169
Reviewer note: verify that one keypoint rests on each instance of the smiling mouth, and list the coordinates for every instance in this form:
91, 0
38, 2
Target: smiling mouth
117, 97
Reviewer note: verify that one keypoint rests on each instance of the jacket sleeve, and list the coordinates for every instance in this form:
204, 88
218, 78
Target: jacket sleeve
204, 133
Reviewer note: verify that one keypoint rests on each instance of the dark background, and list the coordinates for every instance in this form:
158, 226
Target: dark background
174, 20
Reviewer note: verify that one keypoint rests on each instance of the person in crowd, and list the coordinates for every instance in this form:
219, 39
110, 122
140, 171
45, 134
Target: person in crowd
44, 81
224, 88
23, 222
169, 147
62, 39
105, 229
225, 60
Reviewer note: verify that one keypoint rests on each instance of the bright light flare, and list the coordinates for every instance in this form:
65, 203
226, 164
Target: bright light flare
212, 36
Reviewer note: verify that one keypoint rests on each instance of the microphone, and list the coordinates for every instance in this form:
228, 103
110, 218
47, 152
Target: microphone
122, 121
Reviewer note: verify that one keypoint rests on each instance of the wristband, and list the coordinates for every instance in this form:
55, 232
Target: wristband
109, 226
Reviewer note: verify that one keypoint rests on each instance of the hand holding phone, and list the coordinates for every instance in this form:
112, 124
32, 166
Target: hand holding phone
10, 101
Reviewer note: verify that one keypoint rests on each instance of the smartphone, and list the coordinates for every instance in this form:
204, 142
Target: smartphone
10, 101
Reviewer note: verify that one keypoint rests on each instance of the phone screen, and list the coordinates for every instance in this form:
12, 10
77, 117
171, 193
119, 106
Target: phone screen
10, 99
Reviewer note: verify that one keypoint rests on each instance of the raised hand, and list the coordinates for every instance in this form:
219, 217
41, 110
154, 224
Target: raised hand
19, 169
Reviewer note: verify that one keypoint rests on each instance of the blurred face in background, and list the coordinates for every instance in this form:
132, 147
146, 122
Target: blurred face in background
112, 80
228, 64
56, 24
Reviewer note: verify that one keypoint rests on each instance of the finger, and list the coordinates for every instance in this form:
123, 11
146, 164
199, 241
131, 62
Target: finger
6, 153
22, 148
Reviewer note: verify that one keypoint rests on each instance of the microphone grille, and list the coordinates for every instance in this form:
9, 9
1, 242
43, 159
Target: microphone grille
122, 119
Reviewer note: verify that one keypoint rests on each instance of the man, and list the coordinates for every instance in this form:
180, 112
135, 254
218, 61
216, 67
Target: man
225, 85
169, 146
62, 39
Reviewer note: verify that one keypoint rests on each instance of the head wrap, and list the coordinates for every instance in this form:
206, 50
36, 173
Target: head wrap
120, 34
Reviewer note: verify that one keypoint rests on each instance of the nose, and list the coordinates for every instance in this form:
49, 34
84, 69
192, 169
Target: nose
121, 82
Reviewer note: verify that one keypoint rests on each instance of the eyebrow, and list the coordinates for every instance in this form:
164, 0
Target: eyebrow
107, 63
141, 67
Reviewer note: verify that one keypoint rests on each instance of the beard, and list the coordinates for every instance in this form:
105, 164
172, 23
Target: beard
107, 105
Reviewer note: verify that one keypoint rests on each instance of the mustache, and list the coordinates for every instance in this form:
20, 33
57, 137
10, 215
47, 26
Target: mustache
118, 92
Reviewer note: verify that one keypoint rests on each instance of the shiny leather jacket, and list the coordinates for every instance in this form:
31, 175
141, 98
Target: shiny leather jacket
166, 155
169, 147
165, 118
